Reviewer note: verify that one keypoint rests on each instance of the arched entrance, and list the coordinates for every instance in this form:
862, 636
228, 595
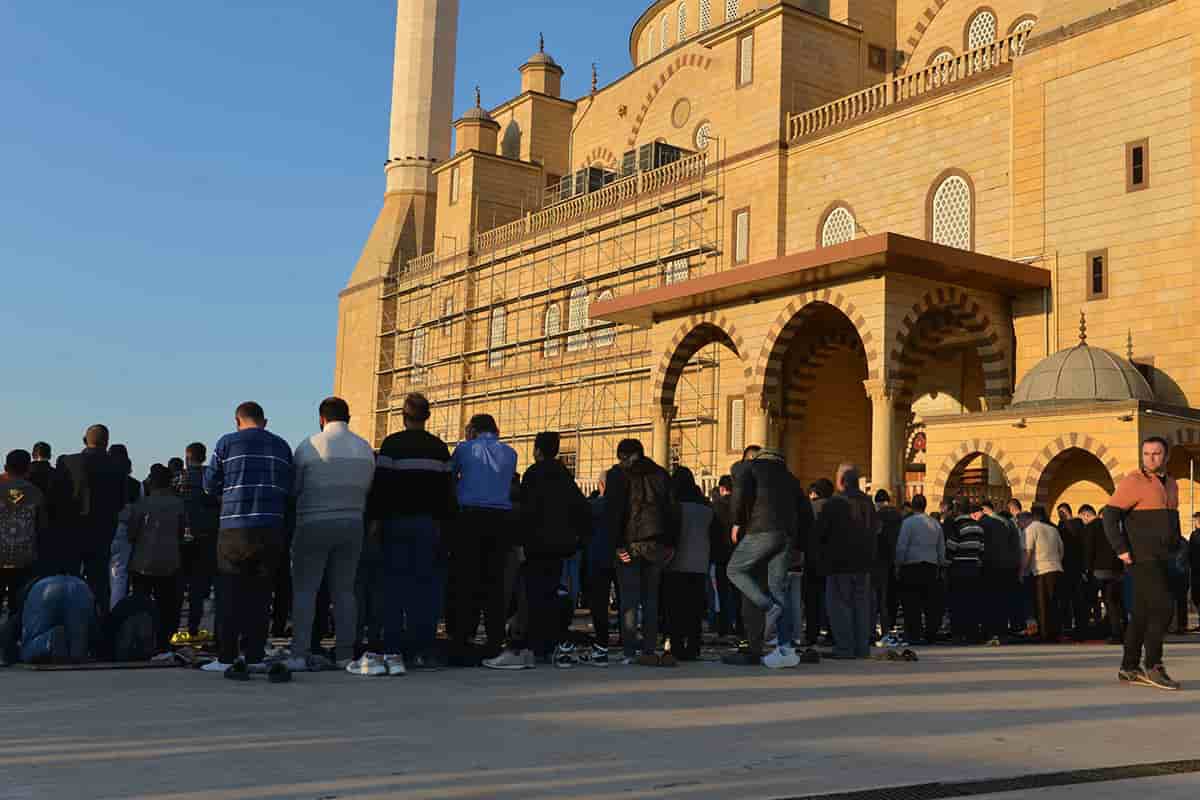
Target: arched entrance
1184, 466
1074, 476
977, 477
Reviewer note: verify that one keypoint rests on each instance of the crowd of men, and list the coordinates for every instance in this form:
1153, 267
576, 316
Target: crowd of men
380, 547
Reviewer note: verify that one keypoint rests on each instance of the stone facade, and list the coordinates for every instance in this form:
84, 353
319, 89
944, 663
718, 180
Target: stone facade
766, 287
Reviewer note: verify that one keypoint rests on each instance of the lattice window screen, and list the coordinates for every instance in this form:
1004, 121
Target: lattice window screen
982, 30
681, 29
731, 9
839, 227
746, 67
703, 134
605, 337
952, 213
705, 14
741, 236
551, 329
675, 271
1024, 26
737, 424
499, 333
577, 320
666, 31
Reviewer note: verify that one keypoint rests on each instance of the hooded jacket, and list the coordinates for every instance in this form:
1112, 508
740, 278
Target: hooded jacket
767, 498
555, 516
641, 506
1142, 516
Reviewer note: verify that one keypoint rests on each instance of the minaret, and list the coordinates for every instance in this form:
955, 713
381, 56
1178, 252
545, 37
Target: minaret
418, 140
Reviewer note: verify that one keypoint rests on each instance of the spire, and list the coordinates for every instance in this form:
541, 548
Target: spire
478, 99
595, 78
541, 43
1129, 346
1082, 327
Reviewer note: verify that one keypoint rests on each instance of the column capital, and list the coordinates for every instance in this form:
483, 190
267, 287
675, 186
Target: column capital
882, 389
995, 403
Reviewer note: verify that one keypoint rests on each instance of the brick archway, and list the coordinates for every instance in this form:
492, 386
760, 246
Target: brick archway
690, 337
765, 375
681, 61
940, 312
1051, 458
966, 450
821, 352
922, 24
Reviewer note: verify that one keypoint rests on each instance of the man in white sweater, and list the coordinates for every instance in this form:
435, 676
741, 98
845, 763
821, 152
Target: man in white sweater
333, 473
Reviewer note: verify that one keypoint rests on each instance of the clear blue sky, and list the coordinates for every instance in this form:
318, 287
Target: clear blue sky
184, 188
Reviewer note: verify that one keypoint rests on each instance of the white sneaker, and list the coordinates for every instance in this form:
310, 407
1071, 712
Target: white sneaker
394, 664
215, 666
781, 658
511, 660
369, 665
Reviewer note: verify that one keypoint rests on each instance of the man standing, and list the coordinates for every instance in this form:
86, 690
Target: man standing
1072, 608
1043, 561
251, 472
965, 541
554, 519
883, 587
1194, 559
846, 536
600, 575
93, 494
333, 473
920, 554
1141, 522
1103, 571
485, 468
644, 518
1001, 564
719, 551
41, 473
23, 520
771, 511
202, 512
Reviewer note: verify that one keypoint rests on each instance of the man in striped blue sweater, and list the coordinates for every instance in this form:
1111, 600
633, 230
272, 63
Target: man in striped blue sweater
251, 472
965, 538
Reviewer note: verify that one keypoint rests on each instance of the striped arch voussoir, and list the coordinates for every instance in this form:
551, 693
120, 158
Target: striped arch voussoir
695, 333
1049, 460
804, 379
922, 25
969, 449
951, 310
682, 61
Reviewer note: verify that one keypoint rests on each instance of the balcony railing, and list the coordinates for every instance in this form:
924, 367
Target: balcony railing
909, 86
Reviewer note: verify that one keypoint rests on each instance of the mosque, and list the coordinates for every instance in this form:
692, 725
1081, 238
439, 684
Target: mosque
949, 240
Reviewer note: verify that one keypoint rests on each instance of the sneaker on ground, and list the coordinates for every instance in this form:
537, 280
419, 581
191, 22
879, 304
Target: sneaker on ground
371, 664
1159, 679
1131, 676
628, 661
215, 666
596, 657
511, 660
781, 658
564, 657
394, 664
810, 656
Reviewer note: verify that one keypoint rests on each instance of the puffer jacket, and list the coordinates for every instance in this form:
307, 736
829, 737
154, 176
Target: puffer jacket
641, 506
555, 518
768, 498
846, 534
1142, 517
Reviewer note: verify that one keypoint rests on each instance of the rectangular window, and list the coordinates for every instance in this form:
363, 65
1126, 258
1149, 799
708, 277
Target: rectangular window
1137, 165
745, 74
447, 311
737, 424
1097, 275
876, 58
454, 177
741, 236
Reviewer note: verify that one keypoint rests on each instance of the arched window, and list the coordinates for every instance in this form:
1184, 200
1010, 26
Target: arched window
731, 10
981, 31
951, 213
1024, 25
839, 226
577, 320
551, 327
705, 14
606, 336
703, 135
499, 333
681, 30
666, 30
417, 355
945, 54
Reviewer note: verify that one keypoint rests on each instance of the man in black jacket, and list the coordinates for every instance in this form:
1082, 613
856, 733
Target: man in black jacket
845, 539
719, 551
1071, 597
93, 494
554, 519
772, 512
1103, 571
1001, 565
644, 519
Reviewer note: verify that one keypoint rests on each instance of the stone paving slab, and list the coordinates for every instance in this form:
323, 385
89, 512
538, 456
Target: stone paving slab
702, 730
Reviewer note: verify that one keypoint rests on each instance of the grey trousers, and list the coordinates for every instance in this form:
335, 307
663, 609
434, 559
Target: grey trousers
638, 581
848, 601
336, 546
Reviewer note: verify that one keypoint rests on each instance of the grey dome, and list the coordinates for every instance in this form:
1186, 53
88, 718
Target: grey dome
542, 58
477, 113
1082, 373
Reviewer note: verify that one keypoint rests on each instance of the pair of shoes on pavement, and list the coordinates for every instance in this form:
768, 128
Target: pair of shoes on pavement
597, 656
313, 662
657, 660
240, 671
372, 665
512, 660
1155, 677
781, 658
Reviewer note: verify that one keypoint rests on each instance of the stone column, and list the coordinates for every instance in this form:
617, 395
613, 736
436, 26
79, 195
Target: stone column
883, 434
660, 444
758, 426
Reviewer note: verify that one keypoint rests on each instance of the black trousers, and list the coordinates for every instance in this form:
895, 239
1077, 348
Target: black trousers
1045, 588
164, 592
1152, 609
478, 556
541, 577
999, 585
11, 582
814, 606
248, 560
281, 591
598, 585
1179, 593
1114, 605
1072, 603
684, 599
196, 577
920, 594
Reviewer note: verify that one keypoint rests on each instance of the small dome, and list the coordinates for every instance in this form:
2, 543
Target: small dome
542, 58
1082, 373
477, 113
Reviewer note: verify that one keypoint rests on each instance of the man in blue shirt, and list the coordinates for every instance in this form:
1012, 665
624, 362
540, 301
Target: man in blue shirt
251, 472
484, 468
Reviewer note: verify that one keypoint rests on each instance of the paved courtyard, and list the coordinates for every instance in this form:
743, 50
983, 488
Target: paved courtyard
703, 730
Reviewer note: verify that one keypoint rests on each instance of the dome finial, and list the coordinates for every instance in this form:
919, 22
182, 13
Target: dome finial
478, 99
1129, 346
1082, 327
595, 78
541, 43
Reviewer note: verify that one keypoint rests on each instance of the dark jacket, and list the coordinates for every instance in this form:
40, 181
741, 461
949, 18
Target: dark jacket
643, 511
1071, 532
600, 547
413, 477
155, 524
203, 510
810, 559
889, 534
1001, 543
767, 498
555, 518
846, 534
43, 476
721, 546
1142, 517
92, 493
1098, 555
1194, 553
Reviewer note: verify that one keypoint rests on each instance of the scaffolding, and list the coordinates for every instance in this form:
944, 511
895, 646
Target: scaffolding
475, 332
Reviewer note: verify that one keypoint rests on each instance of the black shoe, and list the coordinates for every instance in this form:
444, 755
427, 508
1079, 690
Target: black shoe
1131, 676
1159, 679
741, 659
277, 673
810, 656
238, 671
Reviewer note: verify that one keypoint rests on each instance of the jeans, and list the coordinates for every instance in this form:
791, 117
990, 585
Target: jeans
164, 590
248, 559
478, 558
774, 548
599, 582
327, 550
794, 605
541, 577
412, 585
60, 600
848, 597
639, 581
729, 618
1152, 609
